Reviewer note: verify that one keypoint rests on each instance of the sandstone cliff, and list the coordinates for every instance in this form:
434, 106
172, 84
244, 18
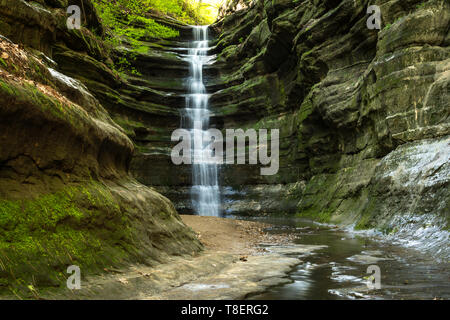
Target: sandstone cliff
363, 117
66, 196
364, 114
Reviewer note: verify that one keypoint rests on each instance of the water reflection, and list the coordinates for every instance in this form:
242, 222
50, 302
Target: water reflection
340, 270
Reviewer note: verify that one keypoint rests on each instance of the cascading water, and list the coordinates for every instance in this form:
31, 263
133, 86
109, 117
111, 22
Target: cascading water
205, 189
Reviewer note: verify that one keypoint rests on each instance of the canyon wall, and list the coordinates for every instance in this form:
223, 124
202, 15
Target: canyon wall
363, 114
66, 195
363, 118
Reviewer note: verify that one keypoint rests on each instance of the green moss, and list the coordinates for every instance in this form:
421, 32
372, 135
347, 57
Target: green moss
128, 124
40, 237
3, 63
421, 5
323, 216
51, 209
128, 19
6, 88
26, 94
363, 223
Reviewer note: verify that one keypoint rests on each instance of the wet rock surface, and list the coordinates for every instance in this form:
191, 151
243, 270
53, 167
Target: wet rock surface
347, 264
254, 275
296, 259
237, 263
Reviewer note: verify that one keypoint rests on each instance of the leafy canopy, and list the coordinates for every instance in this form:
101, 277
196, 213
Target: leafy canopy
131, 21
126, 14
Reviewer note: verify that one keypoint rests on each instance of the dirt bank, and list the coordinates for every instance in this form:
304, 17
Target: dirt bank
234, 236
240, 259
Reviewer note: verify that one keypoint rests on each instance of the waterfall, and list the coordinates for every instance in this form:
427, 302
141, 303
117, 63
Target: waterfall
205, 192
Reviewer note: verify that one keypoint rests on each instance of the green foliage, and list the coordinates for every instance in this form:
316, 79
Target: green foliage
172, 8
129, 17
420, 5
127, 23
130, 22
188, 11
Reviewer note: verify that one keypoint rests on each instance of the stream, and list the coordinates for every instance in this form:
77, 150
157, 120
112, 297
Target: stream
340, 270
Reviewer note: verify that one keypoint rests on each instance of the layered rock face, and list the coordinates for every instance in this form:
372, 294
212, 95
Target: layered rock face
66, 196
363, 118
146, 100
363, 114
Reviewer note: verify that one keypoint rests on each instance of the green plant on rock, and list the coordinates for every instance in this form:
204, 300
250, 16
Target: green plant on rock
319, 215
129, 24
3, 63
420, 5
130, 17
39, 237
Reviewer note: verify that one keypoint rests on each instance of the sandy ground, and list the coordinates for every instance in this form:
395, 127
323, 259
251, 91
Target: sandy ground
234, 236
233, 265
